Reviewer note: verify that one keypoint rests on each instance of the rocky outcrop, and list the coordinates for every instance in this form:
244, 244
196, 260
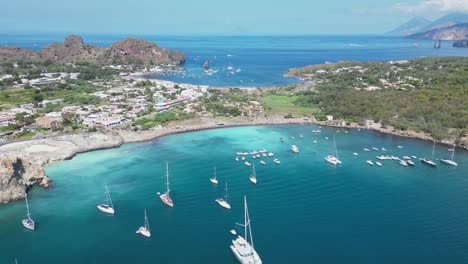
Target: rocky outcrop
15, 54
140, 52
461, 44
131, 51
455, 32
17, 175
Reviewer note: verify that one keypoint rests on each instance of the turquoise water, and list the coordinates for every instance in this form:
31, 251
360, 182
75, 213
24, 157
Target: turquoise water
303, 210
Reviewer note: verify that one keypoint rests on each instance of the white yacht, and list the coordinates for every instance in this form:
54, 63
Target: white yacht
247, 163
262, 162
378, 164
376, 149
370, 162
28, 222
243, 157
165, 197
294, 149
224, 202
315, 141
430, 162
366, 149
233, 232
404, 163
277, 161
406, 157
355, 154
333, 158
108, 207
241, 247
253, 177
144, 230
450, 161
270, 154
214, 180
237, 158
410, 162
383, 149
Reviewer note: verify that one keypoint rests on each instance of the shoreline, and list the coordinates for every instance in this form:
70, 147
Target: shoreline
37, 154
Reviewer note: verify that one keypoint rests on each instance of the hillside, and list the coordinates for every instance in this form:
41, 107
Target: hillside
446, 21
455, 32
132, 51
412, 26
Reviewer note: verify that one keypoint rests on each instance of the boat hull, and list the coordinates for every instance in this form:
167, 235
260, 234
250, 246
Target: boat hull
223, 203
166, 200
450, 162
106, 209
29, 224
143, 231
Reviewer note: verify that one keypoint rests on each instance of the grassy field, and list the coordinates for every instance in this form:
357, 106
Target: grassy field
283, 104
22, 96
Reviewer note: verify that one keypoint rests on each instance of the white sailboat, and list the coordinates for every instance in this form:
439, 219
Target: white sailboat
450, 161
333, 158
165, 197
253, 177
430, 162
108, 207
28, 222
241, 247
224, 202
214, 180
144, 230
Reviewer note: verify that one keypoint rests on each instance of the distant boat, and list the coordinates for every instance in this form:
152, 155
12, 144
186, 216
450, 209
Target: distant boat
28, 222
355, 154
233, 232
366, 149
294, 149
108, 207
437, 44
270, 154
315, 141
326, 138
333, 158
237, 158
376, 149
277, 161
316, 131
384, 149
165, 197
370, 162
262, 162
378, 164
410, 162
224, 202
450, 161
253, 177
144, 230
214, 180
404, 163
247, 163
206, 65
400, 147
242, 248
243, 158
430, 162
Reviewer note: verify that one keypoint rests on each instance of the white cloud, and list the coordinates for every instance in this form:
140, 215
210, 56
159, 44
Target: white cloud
431, 6
421, 8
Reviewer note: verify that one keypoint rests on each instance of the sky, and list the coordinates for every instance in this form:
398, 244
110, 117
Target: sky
231, 17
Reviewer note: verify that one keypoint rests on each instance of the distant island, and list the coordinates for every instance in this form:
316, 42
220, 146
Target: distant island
449, 27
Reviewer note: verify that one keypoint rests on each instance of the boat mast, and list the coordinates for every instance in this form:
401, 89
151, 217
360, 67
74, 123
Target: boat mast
146, 222
334, 146
453, 151
226, 197
247, 223
109, 200
433, 148
27, 206
167, 177
253, 168
215, 172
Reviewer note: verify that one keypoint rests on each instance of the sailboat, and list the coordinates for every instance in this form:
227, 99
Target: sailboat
241, 247
450, 161
108, 207
144, 230
165, 197
28, 223
333, 158
253, 177
214, 180
430, 162
224, 202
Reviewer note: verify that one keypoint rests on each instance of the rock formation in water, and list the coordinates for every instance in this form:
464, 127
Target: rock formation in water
17, 175
461, 44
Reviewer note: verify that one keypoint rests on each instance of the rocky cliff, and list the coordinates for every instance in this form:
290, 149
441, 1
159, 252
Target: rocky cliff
455, 32
17, 175
129, 51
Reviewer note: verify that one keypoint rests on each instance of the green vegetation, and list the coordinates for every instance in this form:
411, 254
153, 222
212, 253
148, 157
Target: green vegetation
285, 104
24, 135
162, 118
429, 95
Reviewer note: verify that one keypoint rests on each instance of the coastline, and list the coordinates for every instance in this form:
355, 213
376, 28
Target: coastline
37, 154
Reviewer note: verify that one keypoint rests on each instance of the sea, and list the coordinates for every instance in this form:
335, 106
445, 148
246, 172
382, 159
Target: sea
258, 61
303, 210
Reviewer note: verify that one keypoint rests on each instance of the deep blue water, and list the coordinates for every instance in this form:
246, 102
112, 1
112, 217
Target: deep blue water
260, 60
303, 210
